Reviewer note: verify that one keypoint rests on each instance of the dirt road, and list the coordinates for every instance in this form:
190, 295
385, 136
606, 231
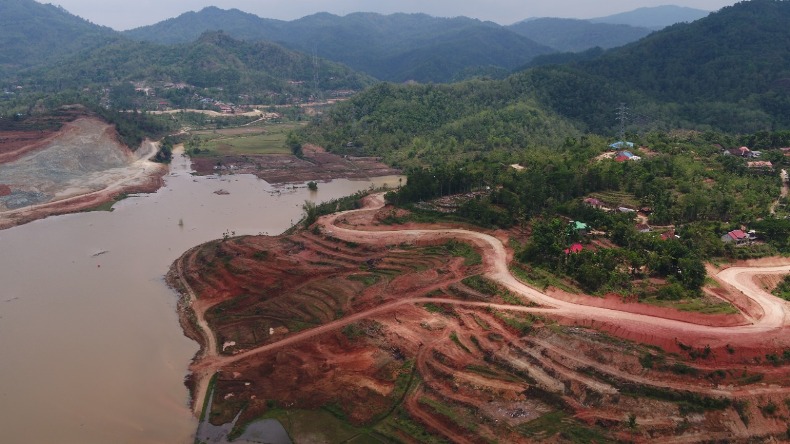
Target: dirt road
785, 190
767, 330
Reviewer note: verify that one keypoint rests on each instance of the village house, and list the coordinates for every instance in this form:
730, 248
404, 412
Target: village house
578, 227
643, 228
740, 152
593, 202
739, 237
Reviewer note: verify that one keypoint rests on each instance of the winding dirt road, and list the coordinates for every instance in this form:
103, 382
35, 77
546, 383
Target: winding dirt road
769, 330
769, 326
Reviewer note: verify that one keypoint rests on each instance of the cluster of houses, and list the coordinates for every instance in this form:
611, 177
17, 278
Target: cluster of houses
738, 237
582, 229
743, 152
735, 237
754, 165
224, 108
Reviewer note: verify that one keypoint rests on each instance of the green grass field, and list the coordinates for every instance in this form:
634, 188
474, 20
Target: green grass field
268, 139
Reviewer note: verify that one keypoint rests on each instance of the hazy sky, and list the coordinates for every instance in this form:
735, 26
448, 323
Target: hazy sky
126, 14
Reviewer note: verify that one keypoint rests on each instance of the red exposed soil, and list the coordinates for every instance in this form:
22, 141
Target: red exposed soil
616, 302
377, 323
20, 137
15, 144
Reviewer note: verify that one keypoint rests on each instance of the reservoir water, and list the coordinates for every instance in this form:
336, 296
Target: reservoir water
90, 346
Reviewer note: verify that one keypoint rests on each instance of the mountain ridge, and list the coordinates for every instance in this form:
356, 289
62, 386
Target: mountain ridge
385, 46
34, 33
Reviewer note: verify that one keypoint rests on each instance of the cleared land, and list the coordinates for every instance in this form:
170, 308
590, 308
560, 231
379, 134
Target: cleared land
412, 335
316, 164
79, 166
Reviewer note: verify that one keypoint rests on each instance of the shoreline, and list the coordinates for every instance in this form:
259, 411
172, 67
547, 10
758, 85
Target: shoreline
208, 362
81, 202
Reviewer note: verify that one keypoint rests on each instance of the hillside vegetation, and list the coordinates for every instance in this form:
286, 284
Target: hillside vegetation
729, 71
464, 137
34, 33
415, 125
397, 47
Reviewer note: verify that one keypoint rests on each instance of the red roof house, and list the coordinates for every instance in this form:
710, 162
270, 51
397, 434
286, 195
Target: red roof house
738, 237
575, 248
593, 202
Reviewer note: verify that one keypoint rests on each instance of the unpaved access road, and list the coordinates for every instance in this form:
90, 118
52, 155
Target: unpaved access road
769, 329
763, 330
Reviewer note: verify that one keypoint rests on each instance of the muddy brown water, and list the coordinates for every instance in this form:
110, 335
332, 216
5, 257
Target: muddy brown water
90, 346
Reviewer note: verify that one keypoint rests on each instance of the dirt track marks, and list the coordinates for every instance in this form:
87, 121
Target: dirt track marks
495, 263
495, 266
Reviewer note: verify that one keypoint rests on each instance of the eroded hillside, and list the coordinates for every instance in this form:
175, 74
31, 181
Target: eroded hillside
351, 331
78, 166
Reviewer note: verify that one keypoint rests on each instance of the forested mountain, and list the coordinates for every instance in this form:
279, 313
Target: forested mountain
531, 146
572, 35
397, 47
655, 18
730, 70
34, 33
215, 60
188, 26
413, 125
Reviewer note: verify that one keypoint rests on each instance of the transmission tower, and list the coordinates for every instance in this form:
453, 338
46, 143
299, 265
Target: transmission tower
316, 92
622, 117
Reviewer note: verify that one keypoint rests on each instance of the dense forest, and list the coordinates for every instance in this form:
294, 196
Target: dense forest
573, 35
213, 61
397, 47
34, 33
728, 71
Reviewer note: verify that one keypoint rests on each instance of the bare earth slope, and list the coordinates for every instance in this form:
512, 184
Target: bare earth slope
80, 166
383, 331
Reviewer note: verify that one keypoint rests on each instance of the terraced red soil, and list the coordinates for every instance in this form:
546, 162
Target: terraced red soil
373, 323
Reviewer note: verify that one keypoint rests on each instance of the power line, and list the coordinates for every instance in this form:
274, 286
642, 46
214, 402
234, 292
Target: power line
622, 117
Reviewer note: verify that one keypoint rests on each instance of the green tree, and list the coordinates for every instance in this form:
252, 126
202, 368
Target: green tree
295, 144
310, 213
